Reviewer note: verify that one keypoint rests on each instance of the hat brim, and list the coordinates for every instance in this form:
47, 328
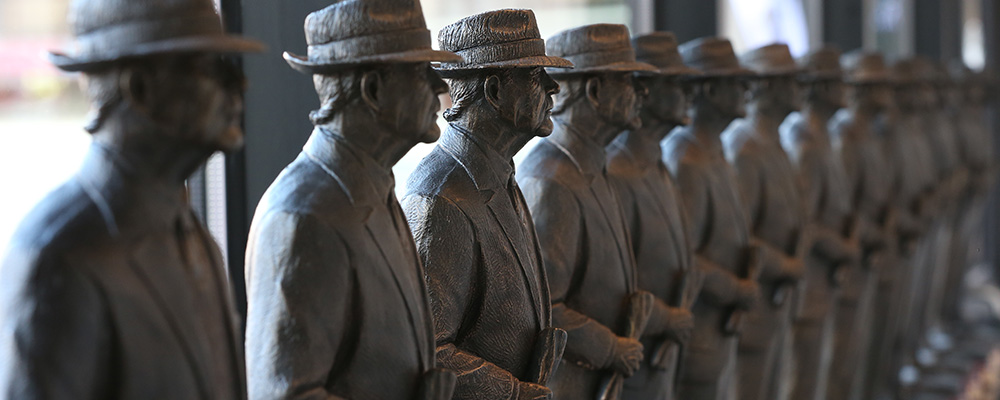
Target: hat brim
734, 72
775, 73
525, 62
677, 71
197, 44
632, 66
305, 66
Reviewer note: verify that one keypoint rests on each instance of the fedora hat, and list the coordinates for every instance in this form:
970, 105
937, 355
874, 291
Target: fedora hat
596, 48
496, 39
357, 32
861, 67
770, 61
659, 49
821, 64
110, 30
714, 57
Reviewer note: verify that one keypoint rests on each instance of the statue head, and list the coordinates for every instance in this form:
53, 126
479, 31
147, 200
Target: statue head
720, 89
823, 78
502, 80
774, 87
869, 83
371, 59
668, 100
155, 70
601, 88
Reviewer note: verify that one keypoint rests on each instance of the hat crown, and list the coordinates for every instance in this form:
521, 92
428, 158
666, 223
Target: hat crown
861, 66
347, 19
493, 27
771, 59
709, 54
823, 62
87, 16
589, 39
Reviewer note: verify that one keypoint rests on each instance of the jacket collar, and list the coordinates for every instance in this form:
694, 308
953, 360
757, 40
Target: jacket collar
588, 155
488, 169
365, 182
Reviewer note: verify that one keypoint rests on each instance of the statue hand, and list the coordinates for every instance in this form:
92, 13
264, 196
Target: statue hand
747, 294
793, 269
681, 324
533, 391
628, 355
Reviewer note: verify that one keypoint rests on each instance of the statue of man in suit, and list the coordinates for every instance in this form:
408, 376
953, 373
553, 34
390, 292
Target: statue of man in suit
584, 238
719, 233
111, 287
830, 225
770, 194
868, 181
489, 292
337, 306
655, 219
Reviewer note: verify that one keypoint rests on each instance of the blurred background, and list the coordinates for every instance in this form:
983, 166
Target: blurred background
42, 111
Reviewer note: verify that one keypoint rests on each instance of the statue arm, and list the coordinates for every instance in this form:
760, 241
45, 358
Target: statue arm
720, 287
447, 246
299, 288
775, 264
56, 341
556, 214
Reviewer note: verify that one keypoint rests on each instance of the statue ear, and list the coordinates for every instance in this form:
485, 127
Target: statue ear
133, 88
593, 90
371, 83
491, 91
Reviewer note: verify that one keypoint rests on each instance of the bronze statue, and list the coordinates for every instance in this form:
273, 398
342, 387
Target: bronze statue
655, 220
111, 288
337, 305
584, 239
854, 131
489, 292
719, 234
832, 232
770, 194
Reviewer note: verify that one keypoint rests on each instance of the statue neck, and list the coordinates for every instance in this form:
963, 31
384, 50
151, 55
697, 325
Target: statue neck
366, 134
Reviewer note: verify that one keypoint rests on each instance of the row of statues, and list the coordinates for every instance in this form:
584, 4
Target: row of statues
648, 247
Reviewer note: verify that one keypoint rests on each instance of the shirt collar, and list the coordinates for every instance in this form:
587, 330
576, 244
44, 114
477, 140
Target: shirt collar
588, 155
488, 169
128, 203
364, 180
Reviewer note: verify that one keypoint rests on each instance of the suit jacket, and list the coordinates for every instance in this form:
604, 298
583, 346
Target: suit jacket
719, 235
337, 307
658, 228
827, 205
587, 255
110, 290
488, 290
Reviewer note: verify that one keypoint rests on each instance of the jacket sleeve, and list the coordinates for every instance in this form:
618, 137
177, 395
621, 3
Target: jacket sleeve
55, 336
556, 214
447, 246
751, 185
299, 306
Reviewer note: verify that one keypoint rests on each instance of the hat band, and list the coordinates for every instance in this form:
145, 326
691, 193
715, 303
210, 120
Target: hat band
662, 61
492, 53
602, 58
372, 45
710, 64
135, 33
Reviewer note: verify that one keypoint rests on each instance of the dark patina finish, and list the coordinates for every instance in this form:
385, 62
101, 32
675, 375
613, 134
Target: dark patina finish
111, 287
337, 305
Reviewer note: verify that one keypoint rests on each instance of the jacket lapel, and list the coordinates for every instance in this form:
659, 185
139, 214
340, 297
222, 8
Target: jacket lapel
163, 278
514, 232
602, 194
382, 232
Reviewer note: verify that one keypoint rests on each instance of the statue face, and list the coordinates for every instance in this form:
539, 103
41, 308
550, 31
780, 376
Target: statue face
618, 100
830, 91
728, 95
408, 103
524, 98
667, 101
193, 98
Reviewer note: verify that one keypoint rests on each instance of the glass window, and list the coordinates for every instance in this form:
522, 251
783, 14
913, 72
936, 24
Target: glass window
42, 111
750, 24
